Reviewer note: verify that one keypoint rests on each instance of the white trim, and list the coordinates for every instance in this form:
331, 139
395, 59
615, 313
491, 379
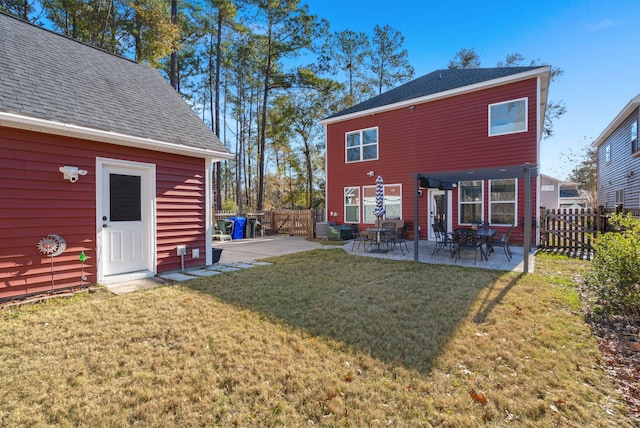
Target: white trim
460, 203
12, 120
444, 94
344, 202
617, 121
514, 202
361, 145
208, 207
149, 169
526, 116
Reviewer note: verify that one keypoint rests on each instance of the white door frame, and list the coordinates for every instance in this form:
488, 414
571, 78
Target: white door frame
430, 215
148, 173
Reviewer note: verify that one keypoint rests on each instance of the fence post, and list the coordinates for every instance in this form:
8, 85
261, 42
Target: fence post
601, 226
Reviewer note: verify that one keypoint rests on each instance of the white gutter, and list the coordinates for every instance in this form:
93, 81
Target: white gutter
16, 121
439, 95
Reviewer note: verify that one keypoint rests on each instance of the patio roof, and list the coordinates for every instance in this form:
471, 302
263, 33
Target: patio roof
447, 180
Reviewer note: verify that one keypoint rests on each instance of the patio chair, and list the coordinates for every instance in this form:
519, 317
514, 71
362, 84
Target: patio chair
504, 243
223, 229
443, 239
465, 239
388, 235
358, 237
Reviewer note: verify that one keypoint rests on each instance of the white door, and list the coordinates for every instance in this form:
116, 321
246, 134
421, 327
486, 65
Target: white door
124, 218
437, 209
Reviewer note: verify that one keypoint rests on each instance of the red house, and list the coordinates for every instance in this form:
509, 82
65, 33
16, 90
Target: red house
98, 156
454, 147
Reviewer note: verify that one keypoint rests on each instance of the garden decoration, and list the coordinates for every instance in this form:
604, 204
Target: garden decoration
51, 246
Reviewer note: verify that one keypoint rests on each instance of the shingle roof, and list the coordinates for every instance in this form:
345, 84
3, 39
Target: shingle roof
48, 76
431, 84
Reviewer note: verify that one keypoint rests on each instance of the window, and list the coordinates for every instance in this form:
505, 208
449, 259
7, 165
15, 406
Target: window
362, 145
508, 117
620, 197
470, 201
607, 153
634, 136
502, 208
392, 202
369, 204
352, 205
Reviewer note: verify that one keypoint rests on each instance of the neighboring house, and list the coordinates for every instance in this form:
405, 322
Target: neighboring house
465, 136
556, 194
68, 109
618, 160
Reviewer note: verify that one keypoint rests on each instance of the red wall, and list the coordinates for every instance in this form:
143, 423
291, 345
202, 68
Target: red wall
442, 135
36, 201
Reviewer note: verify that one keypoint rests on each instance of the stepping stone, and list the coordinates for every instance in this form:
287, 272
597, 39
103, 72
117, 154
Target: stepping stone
177, 276
204, 272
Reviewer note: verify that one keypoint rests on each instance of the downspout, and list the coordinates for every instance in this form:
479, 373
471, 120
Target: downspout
416, 228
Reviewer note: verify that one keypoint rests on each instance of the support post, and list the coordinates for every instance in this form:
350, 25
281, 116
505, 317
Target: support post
527, 216
416, 233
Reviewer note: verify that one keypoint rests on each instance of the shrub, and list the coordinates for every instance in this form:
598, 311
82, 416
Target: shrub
614, 275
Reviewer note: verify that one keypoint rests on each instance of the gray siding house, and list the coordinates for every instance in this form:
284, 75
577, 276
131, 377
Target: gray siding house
618, 159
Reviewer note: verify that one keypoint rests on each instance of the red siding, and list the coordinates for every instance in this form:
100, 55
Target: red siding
35, 201
442, 135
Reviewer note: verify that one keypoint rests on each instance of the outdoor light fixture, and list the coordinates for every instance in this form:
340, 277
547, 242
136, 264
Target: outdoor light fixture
71, 173
370, 173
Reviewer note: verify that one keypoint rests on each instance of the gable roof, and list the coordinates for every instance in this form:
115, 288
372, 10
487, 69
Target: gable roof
440, 84
51, 83
617, 121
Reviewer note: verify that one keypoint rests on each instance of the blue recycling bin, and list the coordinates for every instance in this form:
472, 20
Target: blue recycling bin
238, 227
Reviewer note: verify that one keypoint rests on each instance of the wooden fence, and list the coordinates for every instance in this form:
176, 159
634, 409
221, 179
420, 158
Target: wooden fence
570, 231
278, 222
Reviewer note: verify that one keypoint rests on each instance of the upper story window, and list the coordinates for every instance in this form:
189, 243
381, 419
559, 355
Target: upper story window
362, 145
508, 117
634, 136
607, 153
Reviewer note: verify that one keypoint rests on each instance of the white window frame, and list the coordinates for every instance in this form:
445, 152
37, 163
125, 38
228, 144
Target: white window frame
525, 102
389, 202
634, 136
620, 197
461, 203
514, 202
348, 203
369, 205
361, 145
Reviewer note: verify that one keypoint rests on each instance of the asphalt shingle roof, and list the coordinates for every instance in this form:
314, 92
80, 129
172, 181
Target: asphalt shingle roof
48, 76
433, 83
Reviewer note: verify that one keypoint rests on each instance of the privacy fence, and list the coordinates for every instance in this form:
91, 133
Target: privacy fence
570, 231
278, 222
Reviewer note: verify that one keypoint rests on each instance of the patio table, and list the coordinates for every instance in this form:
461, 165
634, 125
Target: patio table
377, 248
486, 241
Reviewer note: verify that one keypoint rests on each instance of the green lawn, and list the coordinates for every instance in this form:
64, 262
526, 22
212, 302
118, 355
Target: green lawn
316, 339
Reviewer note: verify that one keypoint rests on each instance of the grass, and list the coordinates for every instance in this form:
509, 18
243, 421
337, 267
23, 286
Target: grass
317, 339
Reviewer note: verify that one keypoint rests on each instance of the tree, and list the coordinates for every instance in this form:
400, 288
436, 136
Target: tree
390, 63
347, 53
465, 58
585, 172
287, 29
19, 8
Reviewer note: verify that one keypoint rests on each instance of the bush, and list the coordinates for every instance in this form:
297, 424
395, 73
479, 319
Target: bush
614, 275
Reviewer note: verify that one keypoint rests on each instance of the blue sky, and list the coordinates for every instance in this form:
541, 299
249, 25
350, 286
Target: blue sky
596, 43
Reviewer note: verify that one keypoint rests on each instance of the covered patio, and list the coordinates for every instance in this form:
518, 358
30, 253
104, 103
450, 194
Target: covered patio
447, 180
496, 261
